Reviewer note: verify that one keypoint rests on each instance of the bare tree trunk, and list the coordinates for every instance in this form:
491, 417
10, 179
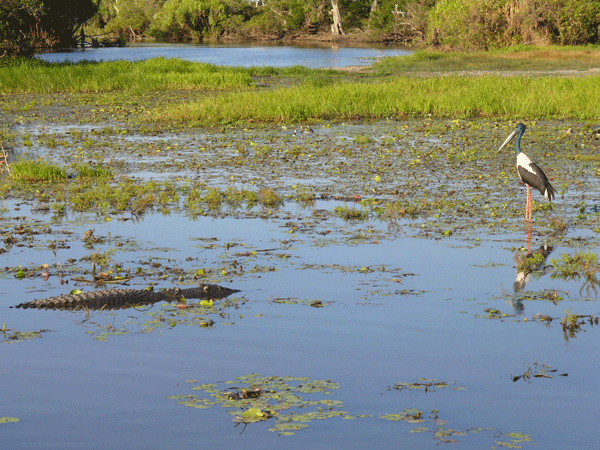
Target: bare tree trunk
336, 28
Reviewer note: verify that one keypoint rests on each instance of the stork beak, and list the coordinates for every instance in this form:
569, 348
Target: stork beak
508, 139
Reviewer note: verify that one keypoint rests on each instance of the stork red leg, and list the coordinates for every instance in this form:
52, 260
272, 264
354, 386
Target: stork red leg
529, 206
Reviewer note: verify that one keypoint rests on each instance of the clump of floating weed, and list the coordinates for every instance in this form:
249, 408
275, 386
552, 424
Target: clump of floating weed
574, 323
559, 225
362, 139
269, 198
27, 170
126, 195
103, 259
214, 198
569, 322
251, 197
394, 210
529, 262
578, 266
587, 158
88, 171
351, 213
400, 209
305, 196
236, 197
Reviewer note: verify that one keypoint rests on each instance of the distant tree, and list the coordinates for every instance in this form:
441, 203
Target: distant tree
17, 19
336, 17
28, 25
199, 19
488, 24
128, 18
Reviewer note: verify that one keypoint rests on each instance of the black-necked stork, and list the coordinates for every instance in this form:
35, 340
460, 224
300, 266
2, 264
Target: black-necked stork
529, 172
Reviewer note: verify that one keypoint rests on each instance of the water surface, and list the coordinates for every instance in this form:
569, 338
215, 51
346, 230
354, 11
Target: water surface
404, 300
315, 57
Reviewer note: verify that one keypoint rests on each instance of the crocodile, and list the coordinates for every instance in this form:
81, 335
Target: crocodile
126, 298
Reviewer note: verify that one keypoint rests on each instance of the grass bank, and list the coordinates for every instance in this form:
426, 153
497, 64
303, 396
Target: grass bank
423, 84
158, 74
522, 59
451, 96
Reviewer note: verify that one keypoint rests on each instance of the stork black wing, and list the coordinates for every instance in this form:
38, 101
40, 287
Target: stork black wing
536, 178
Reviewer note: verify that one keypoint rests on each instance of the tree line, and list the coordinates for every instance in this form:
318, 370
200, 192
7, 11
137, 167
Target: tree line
27, 25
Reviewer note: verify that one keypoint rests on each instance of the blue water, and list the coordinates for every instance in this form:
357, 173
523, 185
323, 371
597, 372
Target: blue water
237, 55
399, 306
73, 392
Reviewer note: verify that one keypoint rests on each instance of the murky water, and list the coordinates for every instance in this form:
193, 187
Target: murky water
403, 301
243, 55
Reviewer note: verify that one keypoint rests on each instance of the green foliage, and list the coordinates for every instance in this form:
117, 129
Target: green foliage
466, 24
17, 15
456, 24
28, 24
488, 24
194, 19
578, 22
380, 19
134, 16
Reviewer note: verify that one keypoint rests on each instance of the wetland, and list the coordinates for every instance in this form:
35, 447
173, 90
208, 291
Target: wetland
390, 290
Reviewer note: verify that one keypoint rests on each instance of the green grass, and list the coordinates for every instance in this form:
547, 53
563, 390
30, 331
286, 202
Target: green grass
158, 74
489, 96
36, 171
294, 94
519, 58
88, 171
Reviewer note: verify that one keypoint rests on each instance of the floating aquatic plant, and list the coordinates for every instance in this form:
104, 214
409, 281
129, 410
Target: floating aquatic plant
575, 267
9, 419
427, 385
293, 402
12, 336
538, 370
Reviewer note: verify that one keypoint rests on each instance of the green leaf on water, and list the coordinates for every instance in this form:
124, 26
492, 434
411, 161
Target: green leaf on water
9, 419
254, 415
